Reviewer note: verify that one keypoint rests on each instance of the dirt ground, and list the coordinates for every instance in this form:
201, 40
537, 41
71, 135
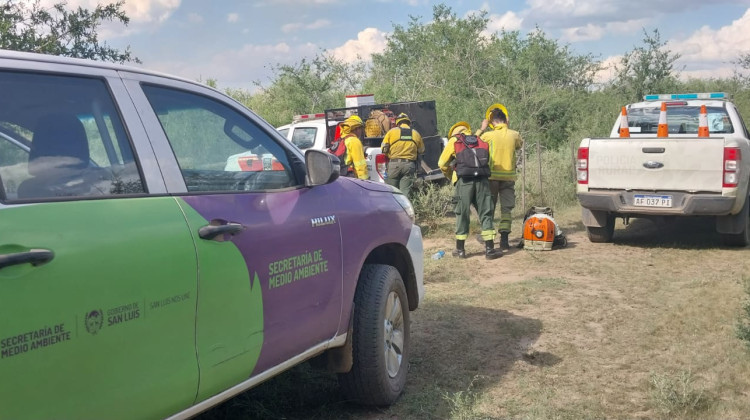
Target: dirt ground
600, 327
644, 327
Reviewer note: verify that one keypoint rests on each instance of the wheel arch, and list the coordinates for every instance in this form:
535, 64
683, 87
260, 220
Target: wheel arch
397, 255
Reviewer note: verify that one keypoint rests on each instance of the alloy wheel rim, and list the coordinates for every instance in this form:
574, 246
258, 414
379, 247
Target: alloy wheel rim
394, 334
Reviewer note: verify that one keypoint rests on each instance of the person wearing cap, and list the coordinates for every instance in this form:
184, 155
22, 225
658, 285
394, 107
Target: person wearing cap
504, 143
349, 149
402, 145
466, 160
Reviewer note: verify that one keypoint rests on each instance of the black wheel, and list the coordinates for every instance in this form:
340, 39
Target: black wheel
742, 238
381, 338
604, 233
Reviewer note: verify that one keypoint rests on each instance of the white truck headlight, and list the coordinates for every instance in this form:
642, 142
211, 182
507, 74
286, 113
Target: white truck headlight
406, 205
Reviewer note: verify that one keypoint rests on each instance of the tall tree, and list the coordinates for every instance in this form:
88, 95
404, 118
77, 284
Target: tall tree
648, 68
309, 86
447, 56
463, 66
29, 26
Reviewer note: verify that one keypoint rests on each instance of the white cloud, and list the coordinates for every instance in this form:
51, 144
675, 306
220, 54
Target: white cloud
237, 68
369, 41
299, 26
593, 32
630, 26
233, 17
723, 44
275, 3
143, 14
139, 11
508, 21
708, 53
585, 33
608, 70
549, 14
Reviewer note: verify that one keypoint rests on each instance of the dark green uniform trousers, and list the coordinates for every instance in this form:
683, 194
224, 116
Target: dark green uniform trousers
505, 190
476, 192
401, 174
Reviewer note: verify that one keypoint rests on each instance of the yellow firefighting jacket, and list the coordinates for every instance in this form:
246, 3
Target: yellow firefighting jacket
402, 149
503, 145
355, 156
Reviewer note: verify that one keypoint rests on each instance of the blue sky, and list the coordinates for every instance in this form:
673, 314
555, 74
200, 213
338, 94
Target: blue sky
237, 41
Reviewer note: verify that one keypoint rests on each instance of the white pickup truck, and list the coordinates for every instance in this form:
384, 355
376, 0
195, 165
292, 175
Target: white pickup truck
309, 132
317, 131
676, 174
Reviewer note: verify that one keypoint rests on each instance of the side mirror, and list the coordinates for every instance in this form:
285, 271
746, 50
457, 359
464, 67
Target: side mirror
322, 167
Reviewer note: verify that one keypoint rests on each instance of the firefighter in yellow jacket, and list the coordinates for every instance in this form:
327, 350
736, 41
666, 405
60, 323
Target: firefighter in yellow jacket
402, 145
504, 143
466, 162
349, 149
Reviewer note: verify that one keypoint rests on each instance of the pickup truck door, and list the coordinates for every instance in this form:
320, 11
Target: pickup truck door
269, 249
82, 268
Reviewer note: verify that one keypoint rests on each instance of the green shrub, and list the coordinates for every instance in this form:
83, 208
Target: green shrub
432, 203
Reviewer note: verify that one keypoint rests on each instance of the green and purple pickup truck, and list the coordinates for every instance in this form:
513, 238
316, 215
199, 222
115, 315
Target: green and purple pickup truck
142, 278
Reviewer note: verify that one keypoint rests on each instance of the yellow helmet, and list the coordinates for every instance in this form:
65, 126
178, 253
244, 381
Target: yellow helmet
402, 117
354, 121
457, 125
501, 107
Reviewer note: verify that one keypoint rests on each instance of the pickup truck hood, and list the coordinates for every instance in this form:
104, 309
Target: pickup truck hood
677, 164
372, 185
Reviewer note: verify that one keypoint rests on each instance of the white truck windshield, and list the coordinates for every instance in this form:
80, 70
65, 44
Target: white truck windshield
680, 119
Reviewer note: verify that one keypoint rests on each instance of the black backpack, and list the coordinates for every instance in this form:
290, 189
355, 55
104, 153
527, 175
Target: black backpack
472, 156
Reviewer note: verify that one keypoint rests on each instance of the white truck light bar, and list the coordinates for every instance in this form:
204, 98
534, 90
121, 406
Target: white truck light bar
672, 96
308, 117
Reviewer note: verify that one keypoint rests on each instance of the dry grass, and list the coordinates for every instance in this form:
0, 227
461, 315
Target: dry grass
645, 327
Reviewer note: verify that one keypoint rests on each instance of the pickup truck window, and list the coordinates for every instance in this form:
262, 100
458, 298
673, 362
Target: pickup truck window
65, 139
680, 119
218, 149
304, 137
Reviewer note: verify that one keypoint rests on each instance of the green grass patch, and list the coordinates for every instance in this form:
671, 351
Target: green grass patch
677, 394
464, 404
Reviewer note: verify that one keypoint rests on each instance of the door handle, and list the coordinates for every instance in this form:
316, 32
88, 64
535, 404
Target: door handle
212, 231
33, 256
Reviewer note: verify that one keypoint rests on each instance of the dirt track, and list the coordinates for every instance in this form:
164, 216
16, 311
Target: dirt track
640, 328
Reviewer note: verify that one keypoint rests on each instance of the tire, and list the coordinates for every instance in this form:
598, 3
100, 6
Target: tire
741, 239
604, 233
381, 338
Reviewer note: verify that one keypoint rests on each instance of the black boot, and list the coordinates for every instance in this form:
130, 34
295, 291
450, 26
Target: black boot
459, 251
504, 245
490, 252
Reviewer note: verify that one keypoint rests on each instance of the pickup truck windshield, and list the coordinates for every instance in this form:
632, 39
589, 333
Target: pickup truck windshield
681, 120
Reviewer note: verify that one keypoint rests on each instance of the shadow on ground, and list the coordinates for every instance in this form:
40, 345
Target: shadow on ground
677, 233
457, 352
